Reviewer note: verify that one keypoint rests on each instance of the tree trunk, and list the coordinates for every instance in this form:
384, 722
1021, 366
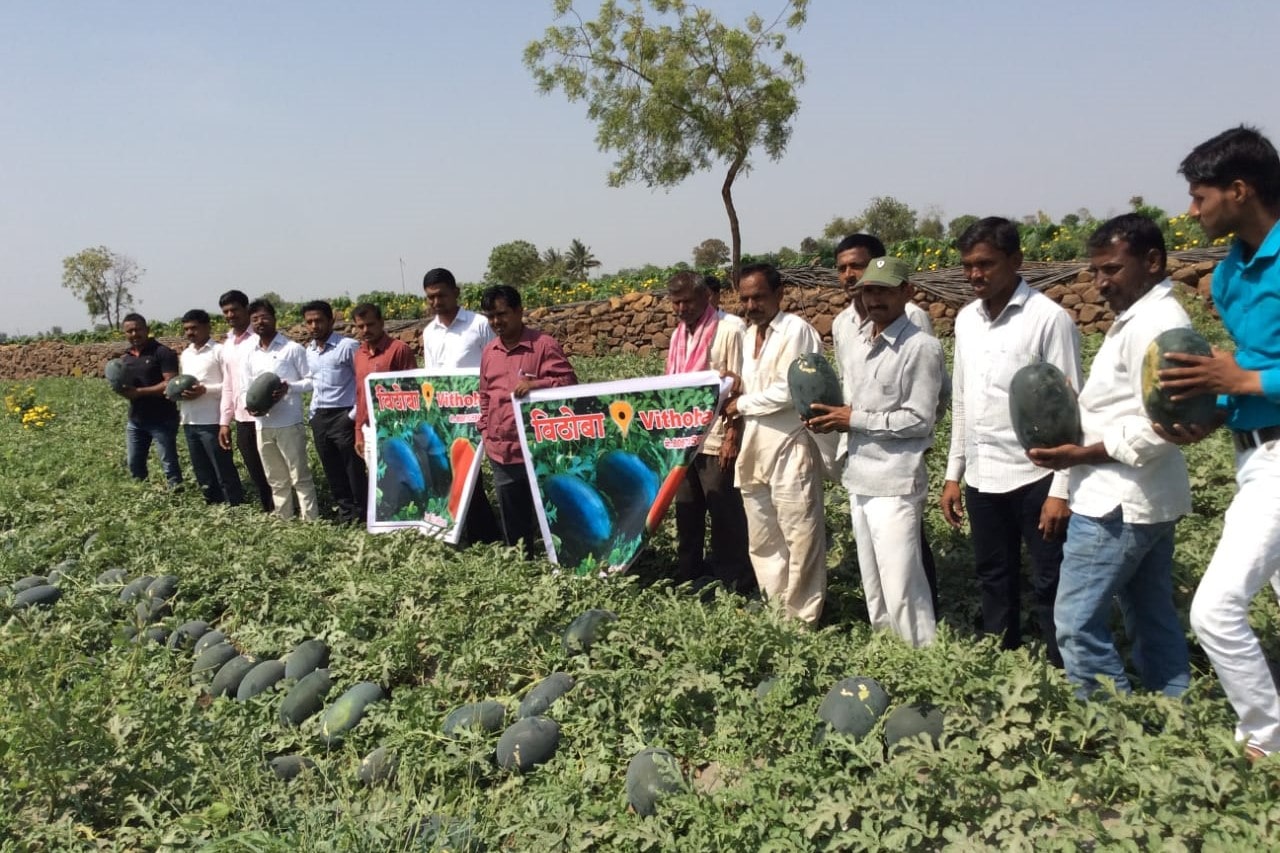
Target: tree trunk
735, 235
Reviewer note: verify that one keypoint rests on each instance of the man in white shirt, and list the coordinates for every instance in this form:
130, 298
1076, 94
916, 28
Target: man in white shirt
454, 338
894, 374
779, 467
703, 340
234, 417
331, 365
282, 438
200, 410
1010, 500
1128, 486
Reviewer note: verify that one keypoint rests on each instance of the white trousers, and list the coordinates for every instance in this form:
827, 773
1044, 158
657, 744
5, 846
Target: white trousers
284, 459
1246, 560
786, 532
887, 531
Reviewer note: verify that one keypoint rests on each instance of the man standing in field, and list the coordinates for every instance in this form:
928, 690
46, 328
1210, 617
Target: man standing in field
894, 373
1234, 182
519, 360
212, 464
282, 439
378, 353
779, 467
331, 364
455, 338
1010, 500
149, 366
234, 305
1128, 486
703, 340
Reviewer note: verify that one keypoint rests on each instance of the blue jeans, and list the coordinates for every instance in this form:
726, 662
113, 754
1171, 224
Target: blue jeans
138, 438
1106, 558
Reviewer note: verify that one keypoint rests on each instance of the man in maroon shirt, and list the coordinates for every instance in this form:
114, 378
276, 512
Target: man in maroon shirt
378, 353
517, 361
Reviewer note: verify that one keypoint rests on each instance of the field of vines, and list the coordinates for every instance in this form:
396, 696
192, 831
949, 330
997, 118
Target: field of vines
107, 742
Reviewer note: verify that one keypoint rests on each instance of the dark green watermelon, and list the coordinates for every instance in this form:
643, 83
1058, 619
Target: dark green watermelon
584, 630
852, 707
116, 374
912, 721
1043, 407
812, 380
484, 717
651, 775
261, 394
179, 385
1201, 410
528, 743
544, 694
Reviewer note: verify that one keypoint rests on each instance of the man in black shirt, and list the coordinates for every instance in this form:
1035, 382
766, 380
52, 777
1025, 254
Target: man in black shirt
149, 365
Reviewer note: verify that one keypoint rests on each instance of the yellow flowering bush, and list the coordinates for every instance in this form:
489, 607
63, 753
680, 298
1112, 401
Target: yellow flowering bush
20, 404
37, 417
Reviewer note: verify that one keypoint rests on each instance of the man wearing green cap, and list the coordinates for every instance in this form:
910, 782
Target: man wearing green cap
895, 372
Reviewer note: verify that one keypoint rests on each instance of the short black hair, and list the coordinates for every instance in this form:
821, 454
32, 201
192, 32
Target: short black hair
713, 283
1140, 232
771, 275
873, 245
995, 231
365, 309
196, 315
439, 275
262, 305
1238, 154
233, 297
134, 317
505, 292
318, 305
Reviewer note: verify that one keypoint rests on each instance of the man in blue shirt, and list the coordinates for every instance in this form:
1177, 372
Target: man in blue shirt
331, 362
1235, 189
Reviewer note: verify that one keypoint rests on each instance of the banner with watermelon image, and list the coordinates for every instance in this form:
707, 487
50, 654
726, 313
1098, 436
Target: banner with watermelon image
605, 461
426, 458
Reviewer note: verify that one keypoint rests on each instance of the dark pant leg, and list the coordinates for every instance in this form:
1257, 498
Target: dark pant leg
480, 524
247, 442
137, 445
165, 434
930, 568
995, 530
729, 559
1046, 560
515, 505
335, 439
691, 523
202, 466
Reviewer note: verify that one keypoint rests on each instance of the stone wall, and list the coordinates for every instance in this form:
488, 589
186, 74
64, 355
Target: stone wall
638, 323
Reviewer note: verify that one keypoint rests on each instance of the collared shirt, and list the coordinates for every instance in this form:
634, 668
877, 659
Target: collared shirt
1148, 477
233, 353
1032, 328
770, 421
536, 357
286, 359
458, 344
1247, 296
895, 379
205, 363
725, 355
146, 367
386, 355
849, 320
333, 372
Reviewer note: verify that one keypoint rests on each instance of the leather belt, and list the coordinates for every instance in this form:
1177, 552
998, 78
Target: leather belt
1249, 439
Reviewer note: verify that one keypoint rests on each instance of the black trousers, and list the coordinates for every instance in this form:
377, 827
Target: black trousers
515, 505
708, 491
214, 468
999, 525
247, 442
334, 435
480, 524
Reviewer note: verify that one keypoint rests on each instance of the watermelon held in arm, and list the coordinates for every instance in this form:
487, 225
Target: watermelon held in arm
1043, 407
812, 380
179, 385
117, 375
261, 395
1201, 410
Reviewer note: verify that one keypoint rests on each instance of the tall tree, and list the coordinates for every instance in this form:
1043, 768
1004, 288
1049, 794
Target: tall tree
103, 280
516, 263
553, 263
578, 260
673, 90
711, 252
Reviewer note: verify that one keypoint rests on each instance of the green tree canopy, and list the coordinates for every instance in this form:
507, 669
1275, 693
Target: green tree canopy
516, 263
711, 252
673, 90
578, 260
103, 280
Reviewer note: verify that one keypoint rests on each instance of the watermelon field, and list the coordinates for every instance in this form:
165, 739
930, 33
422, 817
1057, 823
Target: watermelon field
107, 743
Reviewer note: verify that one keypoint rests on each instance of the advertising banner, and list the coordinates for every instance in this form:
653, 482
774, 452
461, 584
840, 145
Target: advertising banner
426, 456
605, 461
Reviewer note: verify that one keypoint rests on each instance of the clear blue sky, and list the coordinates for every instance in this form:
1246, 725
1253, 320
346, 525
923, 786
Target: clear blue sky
306, 147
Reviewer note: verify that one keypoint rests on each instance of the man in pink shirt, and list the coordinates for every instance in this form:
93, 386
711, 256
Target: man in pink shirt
233, 414
517, 361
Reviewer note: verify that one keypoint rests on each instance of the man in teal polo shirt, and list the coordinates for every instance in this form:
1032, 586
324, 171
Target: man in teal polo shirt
1235, 189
